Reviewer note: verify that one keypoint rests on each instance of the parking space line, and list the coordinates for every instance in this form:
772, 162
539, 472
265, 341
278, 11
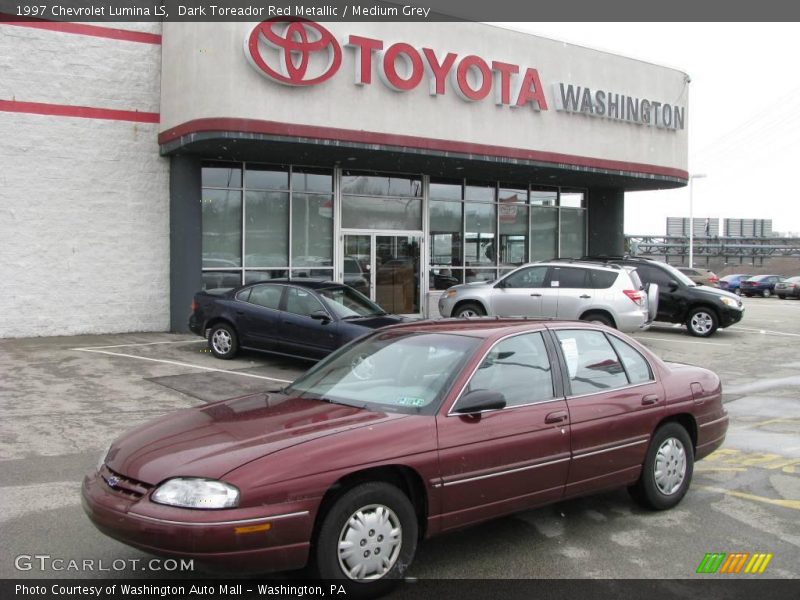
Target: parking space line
141, 344
708, 470
768, 331
793, 504
182, 364
642, 337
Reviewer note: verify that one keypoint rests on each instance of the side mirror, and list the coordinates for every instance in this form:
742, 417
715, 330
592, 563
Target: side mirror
672, 285
320, 315
479, 400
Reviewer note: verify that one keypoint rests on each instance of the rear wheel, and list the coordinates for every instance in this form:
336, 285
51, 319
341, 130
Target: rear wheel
594, 317
702, 322
368, 537
223, 341
469, 309
781, 296
667, 470
766, 293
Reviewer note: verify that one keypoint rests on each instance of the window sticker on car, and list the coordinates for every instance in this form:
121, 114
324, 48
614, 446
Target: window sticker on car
554, 284
570, 348
411, 401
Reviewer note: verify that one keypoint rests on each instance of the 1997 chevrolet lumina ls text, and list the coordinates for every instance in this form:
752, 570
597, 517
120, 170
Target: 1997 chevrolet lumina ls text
411, 431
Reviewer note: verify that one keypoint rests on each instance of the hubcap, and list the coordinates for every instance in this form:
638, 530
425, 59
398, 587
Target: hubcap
468, 312
370, 542
767, 293
221, 340
702, 322
670, 467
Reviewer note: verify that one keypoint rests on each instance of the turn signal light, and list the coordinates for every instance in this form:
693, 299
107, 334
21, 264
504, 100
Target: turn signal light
194, 305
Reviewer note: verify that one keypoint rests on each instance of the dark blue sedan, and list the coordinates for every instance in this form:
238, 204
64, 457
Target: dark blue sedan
732, 283
306, 319
760, 285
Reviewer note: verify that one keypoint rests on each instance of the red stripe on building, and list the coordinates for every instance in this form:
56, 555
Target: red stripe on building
83, 112
398, 140
81, 29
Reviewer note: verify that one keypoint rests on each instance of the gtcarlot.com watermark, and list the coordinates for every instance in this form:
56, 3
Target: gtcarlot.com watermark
46, 562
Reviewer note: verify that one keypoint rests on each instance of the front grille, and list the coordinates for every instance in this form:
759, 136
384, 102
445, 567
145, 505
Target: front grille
124, 485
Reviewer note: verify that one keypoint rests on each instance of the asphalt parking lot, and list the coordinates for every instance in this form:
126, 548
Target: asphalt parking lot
63, 400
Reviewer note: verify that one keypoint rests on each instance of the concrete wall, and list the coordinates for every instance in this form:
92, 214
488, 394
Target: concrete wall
84, 204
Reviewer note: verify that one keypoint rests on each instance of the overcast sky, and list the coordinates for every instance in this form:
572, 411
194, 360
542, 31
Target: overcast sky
744, 115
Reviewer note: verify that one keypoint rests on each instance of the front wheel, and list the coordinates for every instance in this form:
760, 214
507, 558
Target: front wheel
369, 537
469, 309
667, 470
598, 318
781, 296
766, 293
702, 322
737, 291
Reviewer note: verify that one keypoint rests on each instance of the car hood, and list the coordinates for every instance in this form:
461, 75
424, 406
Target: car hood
211, 440
716, 292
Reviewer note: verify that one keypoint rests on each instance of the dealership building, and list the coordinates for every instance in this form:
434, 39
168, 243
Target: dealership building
142, 162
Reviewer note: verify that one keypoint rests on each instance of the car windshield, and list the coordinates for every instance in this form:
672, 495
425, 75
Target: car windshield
392, 371
678, 276
346, 303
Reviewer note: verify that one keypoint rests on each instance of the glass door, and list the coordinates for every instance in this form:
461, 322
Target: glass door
386, 268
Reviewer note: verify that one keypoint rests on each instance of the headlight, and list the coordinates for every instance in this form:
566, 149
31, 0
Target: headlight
450, 293
194, 492
730, 302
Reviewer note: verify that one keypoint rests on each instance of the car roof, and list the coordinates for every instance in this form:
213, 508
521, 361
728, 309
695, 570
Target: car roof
487, 327
306, 282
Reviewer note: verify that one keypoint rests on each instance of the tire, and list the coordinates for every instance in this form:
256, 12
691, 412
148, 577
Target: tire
598, 318
469, 309
781, 296
376, 511
737, 291
222, 341
702, 322
667, 469
766, 293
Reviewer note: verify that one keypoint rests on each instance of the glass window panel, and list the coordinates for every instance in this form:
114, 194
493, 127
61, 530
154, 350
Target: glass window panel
445, 233
572, 199
221, 279
544, 233
312, 230
472, 275
573, 233
306, 180
265, 275
481, 192
267, 229
481, 224
543, 196
570, 277
221, 175
222, 229
442, 278
513, 195
268, 296
513, 233
397, 273
592, 364
529, 277
381, 213
518, 368
302, 302
324, 274
379, 185
602, 280
636, 366
266, 177
443, 190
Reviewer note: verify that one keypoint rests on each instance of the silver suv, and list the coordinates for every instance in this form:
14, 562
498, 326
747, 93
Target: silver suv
609, 294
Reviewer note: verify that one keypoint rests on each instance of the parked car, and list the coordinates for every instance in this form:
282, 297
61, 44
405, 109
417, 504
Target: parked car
701, 276
788, 288
760, 285
304, 318
611, 295
680, 300
732, 283
407, 433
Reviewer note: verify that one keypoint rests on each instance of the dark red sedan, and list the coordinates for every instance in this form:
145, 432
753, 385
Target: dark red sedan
409, 432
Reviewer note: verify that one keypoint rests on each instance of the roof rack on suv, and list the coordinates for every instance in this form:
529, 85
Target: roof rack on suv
587, 259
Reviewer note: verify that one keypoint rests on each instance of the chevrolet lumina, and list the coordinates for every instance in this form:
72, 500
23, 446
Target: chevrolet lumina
406, 433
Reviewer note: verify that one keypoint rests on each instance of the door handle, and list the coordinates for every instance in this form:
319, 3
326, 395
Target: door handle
556, 417
585, 296
649, 399
536, 295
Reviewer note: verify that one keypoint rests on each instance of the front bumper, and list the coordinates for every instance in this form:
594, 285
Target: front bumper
262, 538
729, 316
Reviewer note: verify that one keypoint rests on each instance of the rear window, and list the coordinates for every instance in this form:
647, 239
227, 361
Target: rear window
602, 280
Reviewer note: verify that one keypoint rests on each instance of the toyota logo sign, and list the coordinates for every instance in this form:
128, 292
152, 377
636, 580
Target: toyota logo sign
301, 52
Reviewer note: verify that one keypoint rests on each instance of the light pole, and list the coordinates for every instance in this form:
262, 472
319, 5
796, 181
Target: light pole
691, 216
